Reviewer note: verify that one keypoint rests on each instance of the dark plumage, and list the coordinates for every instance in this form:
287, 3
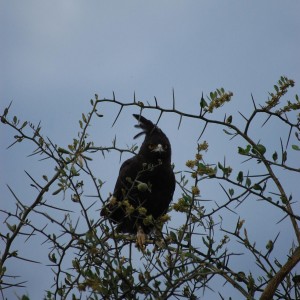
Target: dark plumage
145, 185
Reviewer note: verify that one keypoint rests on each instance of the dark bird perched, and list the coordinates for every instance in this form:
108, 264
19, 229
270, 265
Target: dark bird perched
145, 186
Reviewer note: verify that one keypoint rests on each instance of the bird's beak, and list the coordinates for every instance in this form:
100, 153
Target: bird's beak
159, 148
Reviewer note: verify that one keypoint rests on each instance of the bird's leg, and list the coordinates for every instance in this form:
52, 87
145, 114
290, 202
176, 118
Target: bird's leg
140, 238
112, 200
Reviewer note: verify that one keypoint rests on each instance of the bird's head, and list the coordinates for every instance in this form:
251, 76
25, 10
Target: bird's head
156, 144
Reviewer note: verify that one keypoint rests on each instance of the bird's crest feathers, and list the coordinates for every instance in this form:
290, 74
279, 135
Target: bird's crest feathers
147, 126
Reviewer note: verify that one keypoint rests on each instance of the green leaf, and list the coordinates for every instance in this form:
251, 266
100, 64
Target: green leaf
57, 191
229, 120
275, 156
284, 200
240, 177
23, 125
64, 151
12, 228
244, 151
74, 171
84, 118
227, 171
203, 103
231, 192
60, 292
191, 255
259, 149
257, 187
52, 257
270, 245
241, 150
229, 133
201, 167
277, 263
284, 156
296, 147
173, 236
71, 148
87, 157
248, 182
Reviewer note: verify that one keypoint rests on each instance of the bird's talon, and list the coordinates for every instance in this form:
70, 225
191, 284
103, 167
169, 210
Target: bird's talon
140, 238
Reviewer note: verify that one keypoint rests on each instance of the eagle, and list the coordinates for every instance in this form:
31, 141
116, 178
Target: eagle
145, 185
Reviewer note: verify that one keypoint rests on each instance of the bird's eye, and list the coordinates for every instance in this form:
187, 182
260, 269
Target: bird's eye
151, 146
165, 147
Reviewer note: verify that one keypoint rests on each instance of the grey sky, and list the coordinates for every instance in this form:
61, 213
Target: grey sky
55, 55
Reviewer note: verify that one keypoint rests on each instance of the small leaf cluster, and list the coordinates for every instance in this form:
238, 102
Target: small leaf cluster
198, 166
281, 89
216, 99
256, 150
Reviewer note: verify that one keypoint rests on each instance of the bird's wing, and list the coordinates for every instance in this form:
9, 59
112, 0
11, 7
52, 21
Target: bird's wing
127, 174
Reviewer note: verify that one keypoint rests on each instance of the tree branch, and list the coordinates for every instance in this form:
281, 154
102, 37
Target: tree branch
280, 275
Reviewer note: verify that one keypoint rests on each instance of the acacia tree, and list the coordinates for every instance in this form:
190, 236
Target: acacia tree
90, 259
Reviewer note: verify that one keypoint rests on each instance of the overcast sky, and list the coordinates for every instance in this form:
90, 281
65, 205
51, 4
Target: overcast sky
55, 55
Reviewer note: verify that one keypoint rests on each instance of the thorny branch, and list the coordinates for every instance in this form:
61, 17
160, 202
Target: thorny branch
90, 259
